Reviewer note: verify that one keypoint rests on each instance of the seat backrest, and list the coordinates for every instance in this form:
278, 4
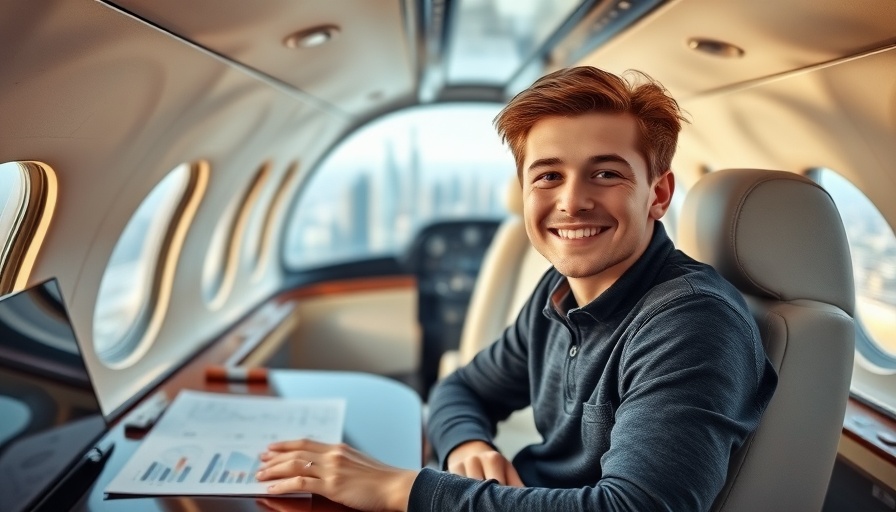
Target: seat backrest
510, 271
778, 238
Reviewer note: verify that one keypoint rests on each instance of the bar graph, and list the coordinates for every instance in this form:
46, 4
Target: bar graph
173, 465
231, 468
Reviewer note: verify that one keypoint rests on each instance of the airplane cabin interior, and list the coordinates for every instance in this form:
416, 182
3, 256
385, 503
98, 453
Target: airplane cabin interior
315, 190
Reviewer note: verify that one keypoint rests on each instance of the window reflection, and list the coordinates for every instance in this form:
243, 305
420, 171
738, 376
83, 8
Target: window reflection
50, 414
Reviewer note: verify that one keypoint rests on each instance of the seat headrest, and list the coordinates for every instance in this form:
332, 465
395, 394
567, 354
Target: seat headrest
772, 234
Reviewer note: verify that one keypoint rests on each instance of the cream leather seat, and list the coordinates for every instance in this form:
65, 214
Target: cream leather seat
510, 270
778, 238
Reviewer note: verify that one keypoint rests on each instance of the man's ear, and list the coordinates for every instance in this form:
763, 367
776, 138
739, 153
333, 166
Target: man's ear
663, 188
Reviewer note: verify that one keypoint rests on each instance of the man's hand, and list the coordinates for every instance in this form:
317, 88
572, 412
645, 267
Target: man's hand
337, 472
477, 459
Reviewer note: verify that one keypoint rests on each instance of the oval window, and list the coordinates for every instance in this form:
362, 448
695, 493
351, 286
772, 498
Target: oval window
12, 195
28, 195
128, 283
873, 248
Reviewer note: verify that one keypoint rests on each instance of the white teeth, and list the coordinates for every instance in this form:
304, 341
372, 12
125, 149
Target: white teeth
573, 234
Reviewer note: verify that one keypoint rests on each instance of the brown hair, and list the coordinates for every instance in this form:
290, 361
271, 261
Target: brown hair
581, 90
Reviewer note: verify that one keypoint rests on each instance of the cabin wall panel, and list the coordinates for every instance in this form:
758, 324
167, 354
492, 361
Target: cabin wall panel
370, 61
374, 331
112, 105
838, 117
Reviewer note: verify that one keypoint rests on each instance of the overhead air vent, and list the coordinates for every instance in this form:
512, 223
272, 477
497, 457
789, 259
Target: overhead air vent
715, 48
311, 37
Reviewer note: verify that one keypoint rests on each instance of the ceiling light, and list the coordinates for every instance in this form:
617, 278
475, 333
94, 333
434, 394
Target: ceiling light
311, 37
715, 47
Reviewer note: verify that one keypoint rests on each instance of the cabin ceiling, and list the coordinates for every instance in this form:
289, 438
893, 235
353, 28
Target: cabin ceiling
779, 38
370, 61
776, 36
387, 53
391, 53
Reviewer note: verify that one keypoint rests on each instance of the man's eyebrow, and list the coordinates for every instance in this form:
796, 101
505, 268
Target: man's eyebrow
609, 157
544, 162
596, 159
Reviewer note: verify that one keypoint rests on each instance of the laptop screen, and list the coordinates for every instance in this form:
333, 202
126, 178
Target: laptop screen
49, 410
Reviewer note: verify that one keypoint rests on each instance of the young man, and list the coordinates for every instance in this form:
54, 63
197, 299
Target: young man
644, 368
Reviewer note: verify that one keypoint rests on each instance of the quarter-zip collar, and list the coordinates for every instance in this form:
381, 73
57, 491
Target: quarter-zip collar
622, 296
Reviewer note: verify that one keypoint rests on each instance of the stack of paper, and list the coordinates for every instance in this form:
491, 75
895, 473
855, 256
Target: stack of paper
209, 443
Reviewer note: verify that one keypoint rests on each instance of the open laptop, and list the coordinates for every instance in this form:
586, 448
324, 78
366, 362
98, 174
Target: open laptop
50, 418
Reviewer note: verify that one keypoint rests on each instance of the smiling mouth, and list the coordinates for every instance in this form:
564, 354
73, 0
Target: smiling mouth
577, 234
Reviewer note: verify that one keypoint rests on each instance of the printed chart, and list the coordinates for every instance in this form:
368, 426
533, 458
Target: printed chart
173, 466
209, 444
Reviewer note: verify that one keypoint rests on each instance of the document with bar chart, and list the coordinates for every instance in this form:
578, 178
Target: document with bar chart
209, 443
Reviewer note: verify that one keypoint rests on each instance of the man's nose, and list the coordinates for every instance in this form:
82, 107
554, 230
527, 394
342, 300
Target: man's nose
574, 197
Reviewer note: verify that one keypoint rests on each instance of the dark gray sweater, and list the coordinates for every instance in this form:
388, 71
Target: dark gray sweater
641, 396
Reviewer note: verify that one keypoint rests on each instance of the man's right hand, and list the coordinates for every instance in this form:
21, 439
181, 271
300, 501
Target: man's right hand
478, 459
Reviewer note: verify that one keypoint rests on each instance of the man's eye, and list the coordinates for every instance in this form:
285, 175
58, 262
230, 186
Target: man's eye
606, 175
549, 176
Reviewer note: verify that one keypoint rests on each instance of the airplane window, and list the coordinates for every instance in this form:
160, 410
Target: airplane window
127, 285
266, 233
27, 201
873, 247
394, 176
12, 196
223, 257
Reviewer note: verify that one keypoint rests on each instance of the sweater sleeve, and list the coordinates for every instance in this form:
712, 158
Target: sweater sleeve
690, 393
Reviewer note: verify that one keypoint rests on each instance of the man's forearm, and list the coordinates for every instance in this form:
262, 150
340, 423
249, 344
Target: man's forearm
456, 416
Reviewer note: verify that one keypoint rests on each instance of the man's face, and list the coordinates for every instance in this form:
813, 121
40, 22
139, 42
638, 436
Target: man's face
588, 205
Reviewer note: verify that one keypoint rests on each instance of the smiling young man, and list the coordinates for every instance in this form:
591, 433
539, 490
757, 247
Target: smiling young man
644, 368
589, 200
